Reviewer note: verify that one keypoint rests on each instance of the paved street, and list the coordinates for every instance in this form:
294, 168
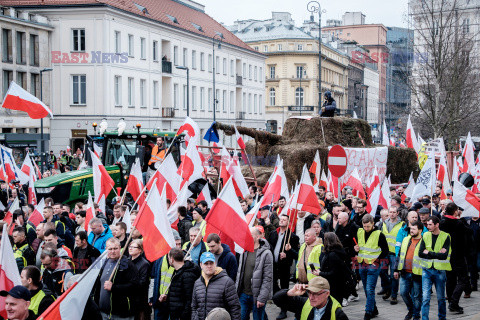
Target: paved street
355, 310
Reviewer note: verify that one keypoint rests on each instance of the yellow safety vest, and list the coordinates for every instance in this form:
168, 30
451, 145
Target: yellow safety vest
416, 265
307, 308
437, 264
36, 300
369, 251
392, 235
201, 226
326, 216
18, 253
313, 258
166, 273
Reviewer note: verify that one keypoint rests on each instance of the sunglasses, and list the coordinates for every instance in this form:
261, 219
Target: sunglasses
316, 293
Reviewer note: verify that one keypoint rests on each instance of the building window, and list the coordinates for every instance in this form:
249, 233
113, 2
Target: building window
224, 66
118, 44
175, 96
194, 98
232, 103
250, 103
280, 48
265, 48
131, 93
6, 45
202, 98
175, 55
272, 72
22, 79
155, 94
185, 57
117, 91
210, 63
255, 105
244, 102
249, 72
299, 97
300, 47
35, 84
217, 64
260, 74
255, 48
260, 104
202, 61
131, 45
194, 59
78, 40
255, 74
155, 50
210, 99
143, 49
33, 50
79, 89
300, 72
143, 89
21, 47
232, 68
272, 96
244, 71
224, 101
466, 25
7, 78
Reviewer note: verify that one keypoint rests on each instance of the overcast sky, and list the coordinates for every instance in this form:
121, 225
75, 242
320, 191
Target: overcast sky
392, 14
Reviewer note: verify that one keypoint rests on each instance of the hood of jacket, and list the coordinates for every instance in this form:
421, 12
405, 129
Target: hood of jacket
264, 246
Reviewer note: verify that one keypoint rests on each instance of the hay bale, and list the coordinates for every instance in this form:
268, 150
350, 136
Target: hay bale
400, 162
262, 173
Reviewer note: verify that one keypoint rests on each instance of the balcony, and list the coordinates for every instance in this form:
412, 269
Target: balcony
166, 66
241, 115
239, 80
168, 112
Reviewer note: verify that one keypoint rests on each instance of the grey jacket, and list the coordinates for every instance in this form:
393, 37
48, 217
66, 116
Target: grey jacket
220, 292
262, 280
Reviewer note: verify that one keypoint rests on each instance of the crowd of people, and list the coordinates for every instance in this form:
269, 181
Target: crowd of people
309, 264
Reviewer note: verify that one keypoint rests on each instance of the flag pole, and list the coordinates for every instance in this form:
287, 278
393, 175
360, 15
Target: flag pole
124, 194
141, 193
196, 238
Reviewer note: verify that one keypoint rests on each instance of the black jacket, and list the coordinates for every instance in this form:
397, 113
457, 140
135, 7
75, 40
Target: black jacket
90, 256
292, 254
334, 269
458, 234
179, 298
346, 235
143, 267
228, 262
220, 292
184, 227
125, 285
330, 109
46, 301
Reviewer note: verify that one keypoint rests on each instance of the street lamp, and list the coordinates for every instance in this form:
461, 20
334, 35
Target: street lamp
217, 39
314, 7
188, 87
42, 142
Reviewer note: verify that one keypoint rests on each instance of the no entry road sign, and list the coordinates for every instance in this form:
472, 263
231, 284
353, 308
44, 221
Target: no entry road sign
337, 161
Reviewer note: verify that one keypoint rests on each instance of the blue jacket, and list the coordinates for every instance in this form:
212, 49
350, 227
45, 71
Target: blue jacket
228, 262
101, 242
402, 234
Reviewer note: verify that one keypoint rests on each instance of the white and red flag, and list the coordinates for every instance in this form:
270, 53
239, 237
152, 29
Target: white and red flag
385, 140
180, 200
191, 167
276, 188
306, 198
241, 144
10, 168
392, 141
408, 192
8, 219
412, 141
28, 167
316, 169
229, 169
32, 196
102, 182
19, 99
442, 176
191, 128
355, 182
71, 304
90, 213
167, 176
374, 192
205, 196
227, 216
469, 156
9, 276
385, 198
135, 183
97, 150
153, 224
466, 199
37, 215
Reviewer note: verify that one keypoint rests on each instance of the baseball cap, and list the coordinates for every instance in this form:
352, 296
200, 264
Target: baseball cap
425, 201
18, 292
207, 256
318, 284
424, 210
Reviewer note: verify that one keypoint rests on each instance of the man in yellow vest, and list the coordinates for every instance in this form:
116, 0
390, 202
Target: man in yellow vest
319, 305
17, 302
409, 270
390, 229
434, 254
42, 298
371, 248
309, 257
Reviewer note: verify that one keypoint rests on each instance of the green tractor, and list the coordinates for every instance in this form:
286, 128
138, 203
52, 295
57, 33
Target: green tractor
118, 154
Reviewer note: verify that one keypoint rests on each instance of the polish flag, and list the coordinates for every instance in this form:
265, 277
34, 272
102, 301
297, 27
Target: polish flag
192, 129
216, 148
385, 198
90, 212
32, 197
9, 275
277, 187
455, 170
205, 196
323, 180
83, 165
37, 215
180, 200
191, 167
442, 176
402, 145
229, 169
307, 199
97, 150
316, 168
8, 219
466, 199
10, 168
468, 155
408, 192
241, 144
28, 166
19, 99
333, 184
71, 304
373, 194
355, 182
166, 175
291, 208
385, 140
392, 141
135, 183
153, 224
102, 182
227, 216
278, 163
412, 141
